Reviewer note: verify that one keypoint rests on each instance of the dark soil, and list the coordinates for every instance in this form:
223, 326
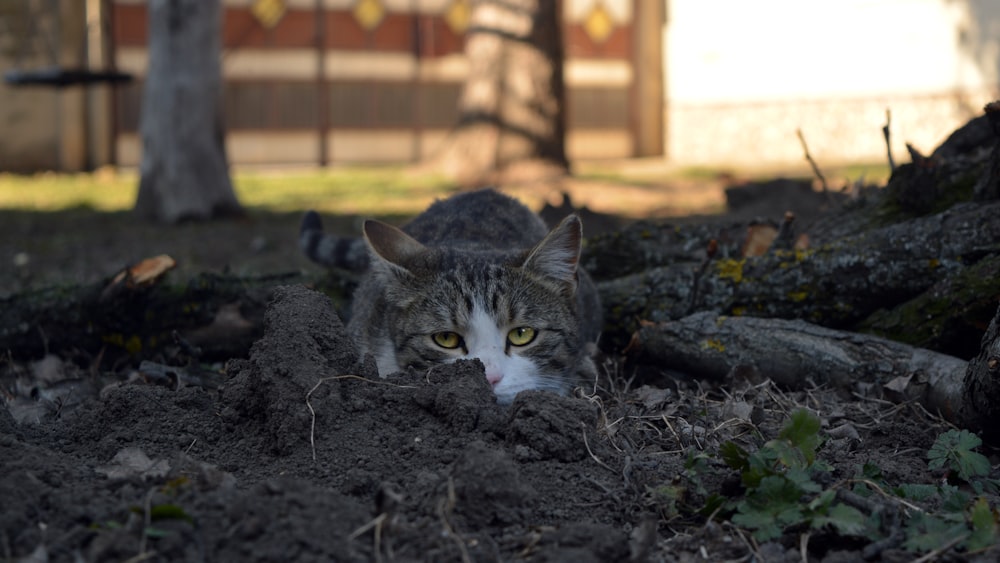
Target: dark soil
301, 453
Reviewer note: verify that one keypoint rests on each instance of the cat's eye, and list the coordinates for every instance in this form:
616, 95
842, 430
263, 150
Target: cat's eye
447, 339
521, 336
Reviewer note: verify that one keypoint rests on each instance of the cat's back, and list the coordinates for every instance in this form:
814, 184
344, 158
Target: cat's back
483, 218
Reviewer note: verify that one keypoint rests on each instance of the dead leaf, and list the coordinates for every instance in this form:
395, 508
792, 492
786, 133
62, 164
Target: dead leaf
145, 272
652, 397
845, 430
758, 240
738, 409
899, 384
133, 462
228, 323
634, 344
49, 369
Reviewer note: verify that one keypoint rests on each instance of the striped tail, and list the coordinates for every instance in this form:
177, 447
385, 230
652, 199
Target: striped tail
330, 250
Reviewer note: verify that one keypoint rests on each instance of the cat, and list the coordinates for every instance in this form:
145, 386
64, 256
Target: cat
477, 275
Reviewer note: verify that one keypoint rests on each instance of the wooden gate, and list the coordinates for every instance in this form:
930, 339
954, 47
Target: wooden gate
365, 81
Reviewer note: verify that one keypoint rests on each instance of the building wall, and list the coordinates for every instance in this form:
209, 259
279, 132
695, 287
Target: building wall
742, 77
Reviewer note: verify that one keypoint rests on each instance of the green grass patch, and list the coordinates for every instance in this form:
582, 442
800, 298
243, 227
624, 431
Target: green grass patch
340, 190
56, 192
837, 176
364, 191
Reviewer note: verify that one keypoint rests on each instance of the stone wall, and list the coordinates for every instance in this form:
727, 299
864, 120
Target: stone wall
842, 130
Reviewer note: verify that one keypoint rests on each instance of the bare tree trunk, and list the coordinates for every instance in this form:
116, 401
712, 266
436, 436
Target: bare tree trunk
184, 171
512, 125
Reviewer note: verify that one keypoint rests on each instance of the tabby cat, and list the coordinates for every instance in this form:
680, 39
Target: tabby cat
477, 275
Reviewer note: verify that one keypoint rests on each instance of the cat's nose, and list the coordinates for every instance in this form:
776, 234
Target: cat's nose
490, 357
493, 371
493, 376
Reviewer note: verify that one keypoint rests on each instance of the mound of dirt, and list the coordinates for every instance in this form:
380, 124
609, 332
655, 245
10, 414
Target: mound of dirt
305, 454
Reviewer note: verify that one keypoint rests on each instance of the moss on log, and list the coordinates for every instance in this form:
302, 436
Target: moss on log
951, 315
836, 284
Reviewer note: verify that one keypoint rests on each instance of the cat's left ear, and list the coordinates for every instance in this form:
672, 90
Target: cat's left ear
558, 255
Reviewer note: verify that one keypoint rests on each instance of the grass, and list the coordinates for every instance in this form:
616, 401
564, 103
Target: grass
365, 191
352, 190
641, 188
652, 171
58, 192
355, 191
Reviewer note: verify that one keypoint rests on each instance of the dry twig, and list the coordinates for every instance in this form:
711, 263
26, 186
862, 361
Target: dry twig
591, 452
812, 163
888, 145
444, 509
375, 523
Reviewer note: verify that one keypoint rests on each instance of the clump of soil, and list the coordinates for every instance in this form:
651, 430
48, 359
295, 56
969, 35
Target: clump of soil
305, 454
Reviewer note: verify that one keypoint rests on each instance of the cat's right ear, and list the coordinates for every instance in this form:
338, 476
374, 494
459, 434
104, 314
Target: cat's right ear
391, 245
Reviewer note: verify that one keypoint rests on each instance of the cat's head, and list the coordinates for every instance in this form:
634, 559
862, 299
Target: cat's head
514, 310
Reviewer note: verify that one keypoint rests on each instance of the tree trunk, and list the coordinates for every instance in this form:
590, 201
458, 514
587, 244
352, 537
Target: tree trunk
981, 392
512, 125
184, 171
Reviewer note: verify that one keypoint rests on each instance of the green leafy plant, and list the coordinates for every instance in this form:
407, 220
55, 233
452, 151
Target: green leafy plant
780, 486
783, 489
953, 449
961, 520
945, 514
159, 513
687, 494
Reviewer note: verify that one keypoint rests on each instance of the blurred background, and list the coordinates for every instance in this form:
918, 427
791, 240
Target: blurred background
336, 104
689, 83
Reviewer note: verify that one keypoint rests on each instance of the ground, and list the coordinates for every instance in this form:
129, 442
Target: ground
298, 452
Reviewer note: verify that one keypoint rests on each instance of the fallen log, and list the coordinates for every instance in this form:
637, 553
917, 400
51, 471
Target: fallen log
647, 244
219, 314
836, 284
797, 354
950, 316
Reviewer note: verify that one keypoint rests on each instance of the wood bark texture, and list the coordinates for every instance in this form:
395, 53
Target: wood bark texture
798, 355
512, 123
981, 390
837, 284
184, 172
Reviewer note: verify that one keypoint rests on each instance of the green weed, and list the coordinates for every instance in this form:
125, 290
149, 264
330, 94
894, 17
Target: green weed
953, 449
784, 489
781, 490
